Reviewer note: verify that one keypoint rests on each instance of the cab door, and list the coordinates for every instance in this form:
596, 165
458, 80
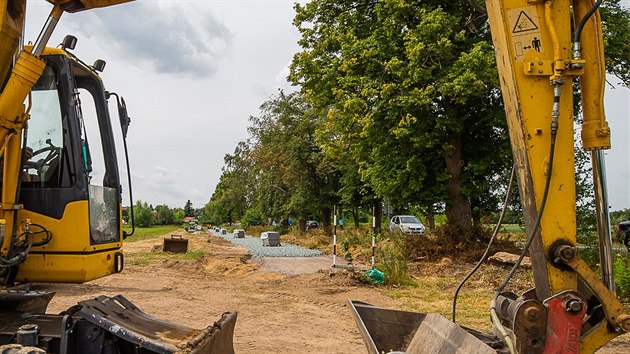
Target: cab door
71, 187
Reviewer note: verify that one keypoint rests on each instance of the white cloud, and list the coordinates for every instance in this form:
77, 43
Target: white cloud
169, 38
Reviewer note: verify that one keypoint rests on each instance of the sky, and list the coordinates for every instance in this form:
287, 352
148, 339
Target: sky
193, 72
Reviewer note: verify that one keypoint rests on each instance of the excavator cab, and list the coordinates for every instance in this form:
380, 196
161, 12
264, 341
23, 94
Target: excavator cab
70, 187
60, 210
71, 214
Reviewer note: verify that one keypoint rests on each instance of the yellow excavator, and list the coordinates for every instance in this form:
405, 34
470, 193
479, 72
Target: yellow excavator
541, 46
61, 203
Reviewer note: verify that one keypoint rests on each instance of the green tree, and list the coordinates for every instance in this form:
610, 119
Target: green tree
410, 91
143, 214
286, 149
616, 32
228, 202
252, 217
189, 211
618, 216
178, 214
164, 215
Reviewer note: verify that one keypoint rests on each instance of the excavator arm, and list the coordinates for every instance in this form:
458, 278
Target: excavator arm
542, 47
81, 5
540, 51
12, 24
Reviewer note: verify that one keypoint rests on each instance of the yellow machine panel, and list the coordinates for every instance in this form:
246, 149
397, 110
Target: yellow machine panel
71, 258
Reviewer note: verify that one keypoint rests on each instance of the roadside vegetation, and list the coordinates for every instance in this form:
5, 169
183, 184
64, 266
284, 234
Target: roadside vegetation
404, 260
143, 233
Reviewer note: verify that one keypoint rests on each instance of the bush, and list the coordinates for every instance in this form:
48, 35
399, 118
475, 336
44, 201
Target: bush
143, 214
590, 255
622, 276
252, 217
393, 261
454, 243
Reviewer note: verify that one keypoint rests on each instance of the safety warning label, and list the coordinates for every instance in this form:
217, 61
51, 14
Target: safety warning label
525, 25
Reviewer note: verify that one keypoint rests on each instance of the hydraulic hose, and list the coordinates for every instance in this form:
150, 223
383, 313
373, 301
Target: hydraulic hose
508, 193
555, 115
577, 47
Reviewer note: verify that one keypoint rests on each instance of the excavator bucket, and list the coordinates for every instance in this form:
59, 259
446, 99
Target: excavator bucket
135, 328
103, 325
393, 331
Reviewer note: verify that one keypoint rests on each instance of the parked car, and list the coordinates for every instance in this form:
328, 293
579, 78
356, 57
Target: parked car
408, 224
312, 224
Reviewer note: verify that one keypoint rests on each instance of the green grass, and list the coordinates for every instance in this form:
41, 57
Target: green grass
143, 233
513, 228
430, 296
146, 258
194, 254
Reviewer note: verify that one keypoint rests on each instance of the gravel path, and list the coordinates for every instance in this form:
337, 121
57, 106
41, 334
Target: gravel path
255, 247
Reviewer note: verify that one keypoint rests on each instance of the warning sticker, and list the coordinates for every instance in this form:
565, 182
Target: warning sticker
525, 25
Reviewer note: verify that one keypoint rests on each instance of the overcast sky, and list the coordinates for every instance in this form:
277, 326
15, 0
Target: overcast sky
192, 72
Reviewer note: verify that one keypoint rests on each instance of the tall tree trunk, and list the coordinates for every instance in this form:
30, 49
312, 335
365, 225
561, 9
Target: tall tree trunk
355, 216
325, 215
458, 210
431, 216
476, 217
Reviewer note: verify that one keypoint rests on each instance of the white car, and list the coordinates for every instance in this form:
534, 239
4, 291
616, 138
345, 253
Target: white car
408, 224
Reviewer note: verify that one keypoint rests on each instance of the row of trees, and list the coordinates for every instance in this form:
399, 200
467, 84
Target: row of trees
399, 102
146, 215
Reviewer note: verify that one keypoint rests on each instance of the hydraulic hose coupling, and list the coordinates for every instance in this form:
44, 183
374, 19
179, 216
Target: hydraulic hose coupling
577, 51
577, 56
555, 112
27, 226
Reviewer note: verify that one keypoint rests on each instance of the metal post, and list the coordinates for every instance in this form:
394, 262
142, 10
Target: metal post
603, 219
373, 233
334, 236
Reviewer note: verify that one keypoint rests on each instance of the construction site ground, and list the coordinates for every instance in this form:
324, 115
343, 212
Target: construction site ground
284, 305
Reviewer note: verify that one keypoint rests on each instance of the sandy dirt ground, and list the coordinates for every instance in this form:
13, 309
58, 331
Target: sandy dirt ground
278, 310
284, 305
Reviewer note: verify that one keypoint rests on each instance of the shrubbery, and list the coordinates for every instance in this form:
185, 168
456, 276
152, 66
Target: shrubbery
622, 276
252, 217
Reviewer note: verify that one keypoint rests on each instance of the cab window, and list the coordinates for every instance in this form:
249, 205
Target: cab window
45, 134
